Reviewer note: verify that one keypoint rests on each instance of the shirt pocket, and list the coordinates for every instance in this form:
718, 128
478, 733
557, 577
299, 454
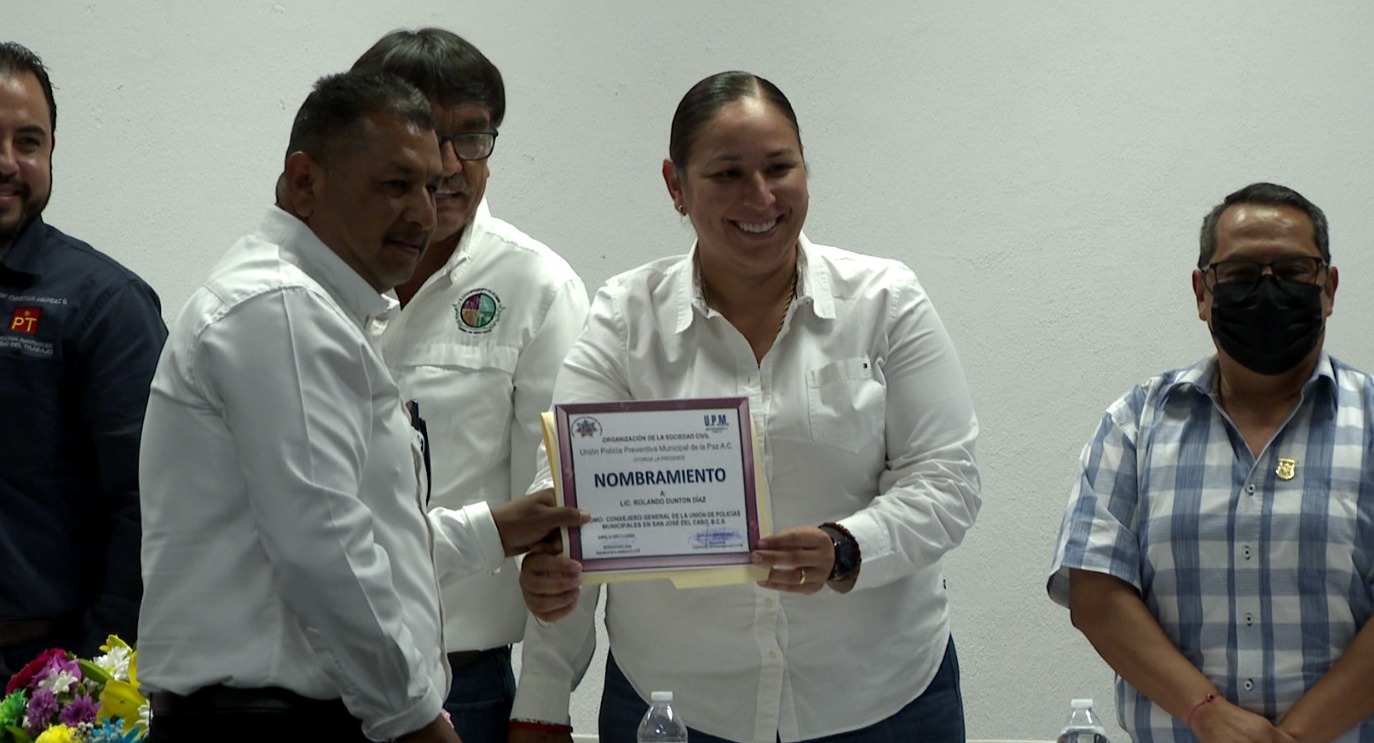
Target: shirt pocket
1337, 520
490, 358
847, 404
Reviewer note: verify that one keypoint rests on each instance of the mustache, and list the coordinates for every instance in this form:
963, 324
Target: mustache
22, 188
413, 236
455, 184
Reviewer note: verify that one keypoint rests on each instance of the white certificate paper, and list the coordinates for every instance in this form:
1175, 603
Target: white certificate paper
673, 487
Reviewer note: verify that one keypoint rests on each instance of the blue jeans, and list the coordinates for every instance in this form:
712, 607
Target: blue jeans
936, 716
480, 698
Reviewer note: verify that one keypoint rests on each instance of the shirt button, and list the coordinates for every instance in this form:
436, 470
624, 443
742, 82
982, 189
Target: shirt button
1249, 684
1249, 620
1250, 489
1246, 551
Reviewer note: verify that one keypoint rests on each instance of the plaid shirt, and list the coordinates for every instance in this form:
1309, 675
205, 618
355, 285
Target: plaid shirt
1260, 571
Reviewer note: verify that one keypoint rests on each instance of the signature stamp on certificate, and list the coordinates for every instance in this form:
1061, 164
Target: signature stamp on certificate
674, 488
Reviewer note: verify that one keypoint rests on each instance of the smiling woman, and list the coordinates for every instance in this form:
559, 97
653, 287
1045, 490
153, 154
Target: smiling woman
867, 432
736, 171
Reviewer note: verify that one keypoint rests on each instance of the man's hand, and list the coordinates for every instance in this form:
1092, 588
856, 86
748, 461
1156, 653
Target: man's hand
1222, 722
530, 519
439, 731
1111, 614
523, 735
550, 582
801, 559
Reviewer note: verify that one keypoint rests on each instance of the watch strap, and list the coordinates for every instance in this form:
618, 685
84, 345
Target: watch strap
847, 554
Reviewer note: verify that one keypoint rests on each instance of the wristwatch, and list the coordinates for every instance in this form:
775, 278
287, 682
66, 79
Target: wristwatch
847, 556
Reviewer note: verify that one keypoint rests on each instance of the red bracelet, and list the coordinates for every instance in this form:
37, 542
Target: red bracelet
1205, 700
543, 727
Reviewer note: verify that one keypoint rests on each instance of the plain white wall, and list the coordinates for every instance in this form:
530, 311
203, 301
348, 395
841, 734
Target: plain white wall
1043, 166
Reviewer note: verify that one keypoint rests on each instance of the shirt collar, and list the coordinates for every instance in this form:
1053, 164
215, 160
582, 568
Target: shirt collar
1201, 377
26, 255
470, 240
813, 286
302, 247
687, 291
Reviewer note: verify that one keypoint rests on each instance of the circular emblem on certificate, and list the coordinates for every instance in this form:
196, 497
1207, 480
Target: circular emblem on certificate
478, 311
586, 426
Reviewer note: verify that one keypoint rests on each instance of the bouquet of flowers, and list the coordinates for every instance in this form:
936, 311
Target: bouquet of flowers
59, 698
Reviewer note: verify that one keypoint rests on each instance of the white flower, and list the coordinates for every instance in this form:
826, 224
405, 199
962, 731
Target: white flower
58, 682
115, 662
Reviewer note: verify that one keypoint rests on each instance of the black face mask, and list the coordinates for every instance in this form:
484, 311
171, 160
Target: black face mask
1268, 327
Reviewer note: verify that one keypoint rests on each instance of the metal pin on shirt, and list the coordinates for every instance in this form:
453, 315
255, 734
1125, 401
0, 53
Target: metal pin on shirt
1286, 469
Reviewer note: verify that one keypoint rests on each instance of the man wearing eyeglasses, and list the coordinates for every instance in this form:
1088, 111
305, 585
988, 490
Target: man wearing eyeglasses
487, 318
1218, 549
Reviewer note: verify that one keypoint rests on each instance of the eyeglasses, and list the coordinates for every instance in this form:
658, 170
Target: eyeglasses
1301, 269
470, 145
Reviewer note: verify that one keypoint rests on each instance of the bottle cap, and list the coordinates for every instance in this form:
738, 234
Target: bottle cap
667, 696
1082, 703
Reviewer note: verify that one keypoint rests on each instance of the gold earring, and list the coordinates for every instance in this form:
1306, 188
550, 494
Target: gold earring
682, 210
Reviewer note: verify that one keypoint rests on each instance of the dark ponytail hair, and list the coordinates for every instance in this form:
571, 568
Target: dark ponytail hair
707, 97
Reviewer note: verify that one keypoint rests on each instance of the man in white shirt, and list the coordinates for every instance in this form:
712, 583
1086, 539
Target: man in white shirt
487, 318
287, 560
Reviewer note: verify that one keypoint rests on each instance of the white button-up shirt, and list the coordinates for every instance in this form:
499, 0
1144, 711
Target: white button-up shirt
284, 537
479, 346
864, 418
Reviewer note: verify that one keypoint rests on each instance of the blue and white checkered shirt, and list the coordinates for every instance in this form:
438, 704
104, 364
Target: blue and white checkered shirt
1260, 571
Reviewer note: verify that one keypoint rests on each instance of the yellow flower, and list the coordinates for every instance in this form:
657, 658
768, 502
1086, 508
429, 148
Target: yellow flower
121, 699
57, 734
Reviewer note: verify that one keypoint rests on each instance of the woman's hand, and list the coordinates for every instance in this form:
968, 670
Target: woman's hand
801, 559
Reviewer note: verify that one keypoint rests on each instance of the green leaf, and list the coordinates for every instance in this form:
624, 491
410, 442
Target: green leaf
93, 672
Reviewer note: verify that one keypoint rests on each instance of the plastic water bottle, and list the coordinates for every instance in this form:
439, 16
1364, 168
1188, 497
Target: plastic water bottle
1083, 727
661, 724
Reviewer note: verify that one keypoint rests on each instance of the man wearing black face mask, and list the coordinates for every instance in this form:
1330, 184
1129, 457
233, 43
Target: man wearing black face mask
1218, 550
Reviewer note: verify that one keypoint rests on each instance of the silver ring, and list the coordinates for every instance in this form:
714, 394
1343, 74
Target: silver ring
802, 580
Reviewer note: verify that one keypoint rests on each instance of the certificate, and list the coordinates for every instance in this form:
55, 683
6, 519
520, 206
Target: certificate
674, 488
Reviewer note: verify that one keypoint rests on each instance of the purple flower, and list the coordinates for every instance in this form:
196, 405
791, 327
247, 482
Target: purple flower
42, 707
60, 664
81, 709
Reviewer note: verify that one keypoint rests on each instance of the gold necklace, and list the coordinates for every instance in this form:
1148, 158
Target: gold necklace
787, 305
786, 302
